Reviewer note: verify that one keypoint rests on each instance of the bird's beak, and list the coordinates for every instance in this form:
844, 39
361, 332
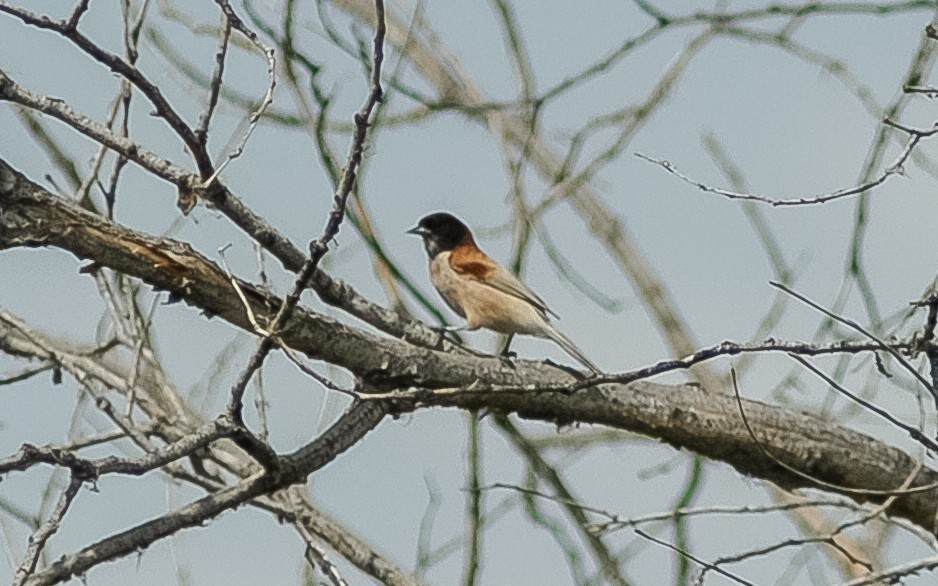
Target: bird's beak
418, 231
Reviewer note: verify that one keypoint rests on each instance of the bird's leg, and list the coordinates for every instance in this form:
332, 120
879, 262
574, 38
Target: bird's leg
506, 343
443, 330
504, 354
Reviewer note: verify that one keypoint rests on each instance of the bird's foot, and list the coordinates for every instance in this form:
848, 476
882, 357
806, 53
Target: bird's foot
508, 359
444, 330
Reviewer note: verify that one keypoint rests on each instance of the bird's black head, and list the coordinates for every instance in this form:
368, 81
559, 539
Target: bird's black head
441, 232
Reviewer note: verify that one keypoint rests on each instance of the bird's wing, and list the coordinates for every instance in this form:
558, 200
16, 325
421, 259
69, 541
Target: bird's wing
483, 269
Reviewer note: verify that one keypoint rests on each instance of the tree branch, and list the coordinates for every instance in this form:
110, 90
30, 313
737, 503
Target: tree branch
682, 415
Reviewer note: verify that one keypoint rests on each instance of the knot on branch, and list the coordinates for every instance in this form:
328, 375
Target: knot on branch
187, 197
8, 177
259, 450
317, 249
80, 468
192, 189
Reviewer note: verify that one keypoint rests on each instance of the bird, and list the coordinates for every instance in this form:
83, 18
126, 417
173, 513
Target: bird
482, 291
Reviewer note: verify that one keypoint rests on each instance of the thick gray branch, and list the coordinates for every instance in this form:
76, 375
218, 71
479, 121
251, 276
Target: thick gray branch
707, 423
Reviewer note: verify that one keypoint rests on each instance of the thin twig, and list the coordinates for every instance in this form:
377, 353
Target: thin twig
916, 434
116, 64
616, 522
857, 327
37, 541
693, 558
235, 22
317, 557
214, 86
318, 248
895, 574
806, 476
915, 136
474, 505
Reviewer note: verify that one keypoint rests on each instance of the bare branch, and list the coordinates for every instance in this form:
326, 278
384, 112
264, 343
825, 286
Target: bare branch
895, 573
857, 327
640, 407
915, 136
330, 290
205, 119
87, 470
318, 558
126, 70
693, 558
916, 434
38, 539
319, 248
233, 21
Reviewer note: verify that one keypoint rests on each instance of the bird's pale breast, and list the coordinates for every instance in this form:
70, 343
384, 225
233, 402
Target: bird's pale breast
482, 305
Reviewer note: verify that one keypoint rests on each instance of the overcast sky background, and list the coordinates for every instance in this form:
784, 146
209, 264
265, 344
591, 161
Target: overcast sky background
793, 129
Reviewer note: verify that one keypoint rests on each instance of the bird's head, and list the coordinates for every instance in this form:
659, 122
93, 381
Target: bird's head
441, 232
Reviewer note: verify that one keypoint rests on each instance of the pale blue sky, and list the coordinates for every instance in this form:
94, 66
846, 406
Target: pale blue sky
792, 128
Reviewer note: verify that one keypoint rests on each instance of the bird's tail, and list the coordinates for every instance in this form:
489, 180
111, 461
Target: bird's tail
571, 348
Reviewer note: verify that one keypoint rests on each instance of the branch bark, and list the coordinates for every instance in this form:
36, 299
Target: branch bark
684, 416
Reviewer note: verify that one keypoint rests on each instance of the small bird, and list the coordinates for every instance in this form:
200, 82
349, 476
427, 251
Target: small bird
482, 291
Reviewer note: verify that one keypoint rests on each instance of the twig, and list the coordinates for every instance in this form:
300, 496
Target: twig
543, 470
857, 327
930, 90
617, 522
37, 541
318, 248
915, 136
201, 131
235, 22
317, 557
474, 505
693, 558
806, 476
85, 469
425, 532
26, 374
725, 348
928, 336
142, 339
292, 357
346, 432
916, 434
895, 574
830, 538
235, 403
331, 290
113, 62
